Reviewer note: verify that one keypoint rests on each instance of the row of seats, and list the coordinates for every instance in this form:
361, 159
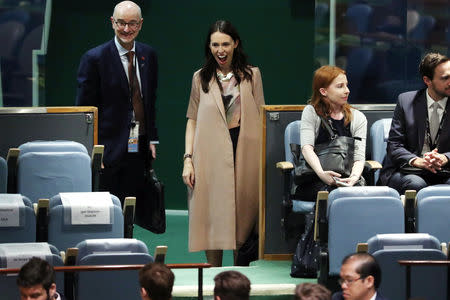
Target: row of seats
351, 215
64, 223
90, 252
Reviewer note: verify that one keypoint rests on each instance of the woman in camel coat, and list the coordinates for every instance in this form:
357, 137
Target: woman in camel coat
222, 151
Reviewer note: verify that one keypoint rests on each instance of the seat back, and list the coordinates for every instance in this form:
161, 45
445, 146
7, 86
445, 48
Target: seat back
358, 15
379, 133
292, 136
3, 175
64, 232
24, 252
433, 211
18, 220
110, 252
44, 174
426, 282
361, 213
52, 146
56, 200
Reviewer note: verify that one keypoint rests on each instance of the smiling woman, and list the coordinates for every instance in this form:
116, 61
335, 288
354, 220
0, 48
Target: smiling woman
221, 162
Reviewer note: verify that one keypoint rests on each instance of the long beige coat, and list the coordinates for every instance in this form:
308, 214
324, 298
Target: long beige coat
223, 207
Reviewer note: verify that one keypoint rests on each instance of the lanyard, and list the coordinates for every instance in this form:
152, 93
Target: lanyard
438, 134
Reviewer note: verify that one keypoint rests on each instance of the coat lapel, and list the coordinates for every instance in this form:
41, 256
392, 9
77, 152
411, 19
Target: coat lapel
215, 90
143, 66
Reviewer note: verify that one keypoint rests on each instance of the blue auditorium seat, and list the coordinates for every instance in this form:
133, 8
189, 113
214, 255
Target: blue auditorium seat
3, 175
379, 133
52, 146
112, 284
292, 136
433, 211
358, 15
426, 282
44, 174
23, 252
355, 214
41, 169
63, 234
24, 227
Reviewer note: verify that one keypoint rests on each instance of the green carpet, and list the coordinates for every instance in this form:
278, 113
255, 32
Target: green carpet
176, 240
270, 279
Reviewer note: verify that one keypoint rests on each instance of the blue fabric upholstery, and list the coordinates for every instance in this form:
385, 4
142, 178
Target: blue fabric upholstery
433, 211
292, 136
52, 146
426, 282
8, 285
44, 174
64, 235
110, 252
3, 175
355, 218
26, 231
379, 133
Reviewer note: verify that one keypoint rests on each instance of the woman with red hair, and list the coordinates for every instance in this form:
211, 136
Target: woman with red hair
329, 103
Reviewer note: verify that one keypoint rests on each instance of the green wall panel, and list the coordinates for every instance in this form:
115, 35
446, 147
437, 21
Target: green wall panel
277, 35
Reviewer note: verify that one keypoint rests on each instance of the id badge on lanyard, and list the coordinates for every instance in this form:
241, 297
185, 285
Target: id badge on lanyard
133, 140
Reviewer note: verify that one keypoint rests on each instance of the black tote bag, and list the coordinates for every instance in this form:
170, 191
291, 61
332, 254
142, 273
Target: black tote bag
335, 155
151, 210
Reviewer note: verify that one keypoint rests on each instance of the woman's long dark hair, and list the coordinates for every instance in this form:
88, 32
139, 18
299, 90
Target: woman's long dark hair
239, 65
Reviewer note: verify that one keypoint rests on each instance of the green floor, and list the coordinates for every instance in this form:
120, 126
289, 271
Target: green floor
270, 279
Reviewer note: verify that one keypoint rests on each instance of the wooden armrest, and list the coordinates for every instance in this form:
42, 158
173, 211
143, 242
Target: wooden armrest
129, 202
13, 153
444, 249
285, 165
42, 203
362, 248
71, 256
97, 155
410, 198
372, 165
11, 162
321, 208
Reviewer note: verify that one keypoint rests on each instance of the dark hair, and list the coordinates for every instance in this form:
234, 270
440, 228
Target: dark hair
323, 77
157, 280
311, 291
36, 272
232, 285
430, 62
368, 266
239, 63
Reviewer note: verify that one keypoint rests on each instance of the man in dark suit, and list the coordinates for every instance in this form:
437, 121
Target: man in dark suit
418, 147
360, 278
36, 280
120, 78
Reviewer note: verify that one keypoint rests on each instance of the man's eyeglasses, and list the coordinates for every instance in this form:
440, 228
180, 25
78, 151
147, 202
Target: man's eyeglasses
348, 282
122, 24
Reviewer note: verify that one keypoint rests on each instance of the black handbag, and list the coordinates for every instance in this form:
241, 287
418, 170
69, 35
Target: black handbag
335, 155
305, 262
151, 210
